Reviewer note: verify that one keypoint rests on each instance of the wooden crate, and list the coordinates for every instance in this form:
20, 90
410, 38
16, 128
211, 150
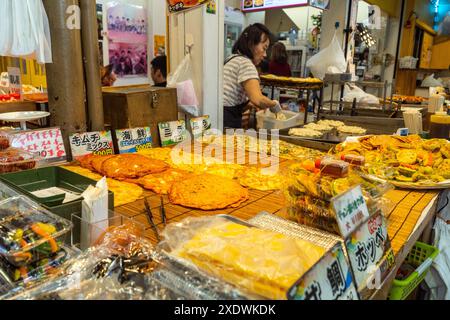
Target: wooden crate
139, 106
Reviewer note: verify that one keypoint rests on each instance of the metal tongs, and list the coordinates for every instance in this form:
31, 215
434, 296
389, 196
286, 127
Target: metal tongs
163, 212
150, 219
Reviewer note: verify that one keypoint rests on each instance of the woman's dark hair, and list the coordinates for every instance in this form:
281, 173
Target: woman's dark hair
251, 37
279, 53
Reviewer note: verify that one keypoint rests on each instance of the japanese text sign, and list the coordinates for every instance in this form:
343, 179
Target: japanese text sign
351, 210
330, 279
172, 133
97, 143
15, 80
134, 140
200, 125
180, 5
370, 254
48, 143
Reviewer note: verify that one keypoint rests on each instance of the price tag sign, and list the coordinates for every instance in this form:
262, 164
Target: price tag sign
172, 133
370, 254
330, 279
15, 81
200, 125
134, 140
48, 143
351, 210
97, 143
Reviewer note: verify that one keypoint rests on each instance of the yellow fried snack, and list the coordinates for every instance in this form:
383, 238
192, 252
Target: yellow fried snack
208, 192
259, 179
259, 261
163, 154
124, 192
161, 183
131, 166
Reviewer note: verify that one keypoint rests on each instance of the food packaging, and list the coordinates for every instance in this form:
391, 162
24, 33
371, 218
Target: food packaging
267, 120
4, 140
309, 191
29, 233
13, 160
256, 261
94, 211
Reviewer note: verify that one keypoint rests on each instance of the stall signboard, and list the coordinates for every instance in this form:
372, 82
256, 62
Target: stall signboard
172, 133
258, 5
47, 143
351, 210
330, 279
200, 125
134, 140
96, 143
180, 5
370, 254
15, 81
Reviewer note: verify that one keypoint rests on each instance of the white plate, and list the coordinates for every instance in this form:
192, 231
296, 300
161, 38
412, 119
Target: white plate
23, 116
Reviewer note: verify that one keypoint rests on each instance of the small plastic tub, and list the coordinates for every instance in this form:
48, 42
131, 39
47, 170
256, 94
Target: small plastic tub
13, 160
28, 232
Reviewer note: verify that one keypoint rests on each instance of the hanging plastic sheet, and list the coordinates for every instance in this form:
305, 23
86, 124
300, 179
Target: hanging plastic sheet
25, 30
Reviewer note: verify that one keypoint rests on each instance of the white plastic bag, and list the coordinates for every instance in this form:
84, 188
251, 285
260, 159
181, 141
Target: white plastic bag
5, 27
25, 30
331, 56
352, 92
431, 81
182, 80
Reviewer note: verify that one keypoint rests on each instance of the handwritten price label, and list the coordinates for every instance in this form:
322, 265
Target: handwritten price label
48, 143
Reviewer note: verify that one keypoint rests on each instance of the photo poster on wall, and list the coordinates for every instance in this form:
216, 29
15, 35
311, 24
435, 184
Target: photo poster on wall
159, 45
128, 37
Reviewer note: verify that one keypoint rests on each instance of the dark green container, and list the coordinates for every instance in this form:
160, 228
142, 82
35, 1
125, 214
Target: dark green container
25, 182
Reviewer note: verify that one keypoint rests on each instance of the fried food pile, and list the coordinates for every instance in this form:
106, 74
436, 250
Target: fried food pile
255, 260
402, 160
208, 192
310, 186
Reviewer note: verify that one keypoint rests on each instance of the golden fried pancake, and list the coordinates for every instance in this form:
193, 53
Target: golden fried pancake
131, 166
97, 163
208, 192
259, 179
161, 183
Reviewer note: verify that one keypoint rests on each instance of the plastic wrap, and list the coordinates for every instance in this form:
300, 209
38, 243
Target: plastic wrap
6, 192
256, 261
29, 233
4, 140
311, 185
123, 266
13, 160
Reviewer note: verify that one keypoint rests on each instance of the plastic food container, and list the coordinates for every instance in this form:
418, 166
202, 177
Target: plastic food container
268, 121
13, 160
6, 192
4, 140
29, 233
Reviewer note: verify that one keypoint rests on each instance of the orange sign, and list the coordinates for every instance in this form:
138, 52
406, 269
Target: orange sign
179, 5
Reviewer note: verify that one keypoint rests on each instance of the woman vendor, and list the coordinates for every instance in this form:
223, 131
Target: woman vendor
241, 79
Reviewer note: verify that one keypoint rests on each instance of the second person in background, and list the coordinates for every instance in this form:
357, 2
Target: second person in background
279, 65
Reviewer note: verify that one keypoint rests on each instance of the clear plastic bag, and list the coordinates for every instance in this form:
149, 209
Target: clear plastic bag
331, 56
256, 261
30, 31
353, 92
310, 188
6, 23
182, 80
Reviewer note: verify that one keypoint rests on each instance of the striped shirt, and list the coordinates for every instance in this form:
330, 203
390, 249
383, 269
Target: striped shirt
236, 72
